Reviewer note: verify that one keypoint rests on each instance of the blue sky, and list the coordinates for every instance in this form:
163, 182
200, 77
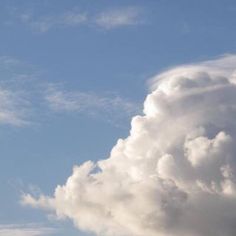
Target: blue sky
73, 73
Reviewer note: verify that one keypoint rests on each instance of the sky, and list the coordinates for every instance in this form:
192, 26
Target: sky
73, 74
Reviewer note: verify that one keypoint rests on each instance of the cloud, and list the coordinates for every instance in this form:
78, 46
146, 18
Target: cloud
175, 174
43, 24
105, 19
24, 94
109, 106
14, 106
25, 230
120, 17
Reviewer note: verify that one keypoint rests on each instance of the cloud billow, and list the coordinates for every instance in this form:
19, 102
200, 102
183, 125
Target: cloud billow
175, 174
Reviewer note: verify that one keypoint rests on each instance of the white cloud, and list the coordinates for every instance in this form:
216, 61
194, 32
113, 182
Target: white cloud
120, 17
175, 174
25, 230
110, 107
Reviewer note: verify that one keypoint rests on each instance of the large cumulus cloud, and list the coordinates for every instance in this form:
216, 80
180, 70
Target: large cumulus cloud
175, 174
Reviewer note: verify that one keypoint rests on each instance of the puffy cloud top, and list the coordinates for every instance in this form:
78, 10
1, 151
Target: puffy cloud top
175, 174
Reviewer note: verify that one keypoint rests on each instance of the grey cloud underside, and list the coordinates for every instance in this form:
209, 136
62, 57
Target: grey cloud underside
175, 174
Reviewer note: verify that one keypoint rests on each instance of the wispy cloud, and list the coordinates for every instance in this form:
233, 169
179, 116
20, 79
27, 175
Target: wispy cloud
106, 19
121, 17
14, 107
109, 106
23, 97
25, 230
42, 24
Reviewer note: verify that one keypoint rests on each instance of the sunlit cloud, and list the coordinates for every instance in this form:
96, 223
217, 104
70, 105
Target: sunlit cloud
175, 174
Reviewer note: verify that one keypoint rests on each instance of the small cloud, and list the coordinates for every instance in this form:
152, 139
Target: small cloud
25, 230
119, 18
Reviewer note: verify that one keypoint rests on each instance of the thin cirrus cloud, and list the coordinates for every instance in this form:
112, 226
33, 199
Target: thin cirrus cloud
45, 23
25, 230
23, 98
13, 108
110, 106
107, 19
175, 174
118, 18
14, 105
